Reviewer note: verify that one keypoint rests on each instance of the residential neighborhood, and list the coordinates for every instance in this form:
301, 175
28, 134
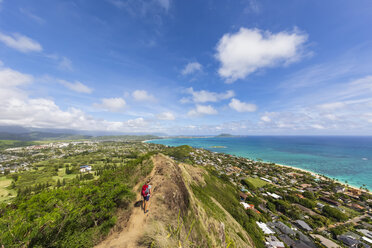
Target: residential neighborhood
291, 208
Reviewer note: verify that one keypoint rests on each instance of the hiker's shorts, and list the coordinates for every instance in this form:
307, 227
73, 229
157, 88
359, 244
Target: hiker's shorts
146, 198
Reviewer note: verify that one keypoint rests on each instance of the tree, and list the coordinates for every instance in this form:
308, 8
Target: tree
334, 213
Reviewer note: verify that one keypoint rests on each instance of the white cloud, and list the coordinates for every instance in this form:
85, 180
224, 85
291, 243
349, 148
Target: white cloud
317, 126
168, 116
12, 78
65, 64
142, 8
191, 68
331, 105
204, 96
164, 3
201, 110
242, 106
77, 86
248, 50
252, 6
265, 118
138, 122
21, 43
17, 108
111, 104
32, 16
142, 95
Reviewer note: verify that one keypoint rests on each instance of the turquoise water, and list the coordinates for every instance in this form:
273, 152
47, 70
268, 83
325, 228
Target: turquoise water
344, 158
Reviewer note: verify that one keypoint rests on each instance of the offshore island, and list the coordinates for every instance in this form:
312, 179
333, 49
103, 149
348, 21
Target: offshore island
85, 193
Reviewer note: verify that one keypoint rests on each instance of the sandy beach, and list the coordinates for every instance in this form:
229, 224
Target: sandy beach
321, 177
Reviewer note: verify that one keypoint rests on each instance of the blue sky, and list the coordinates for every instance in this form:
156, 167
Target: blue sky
187, 67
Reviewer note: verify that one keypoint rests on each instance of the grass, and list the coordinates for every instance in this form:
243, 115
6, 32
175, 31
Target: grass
4, 192
211, 208
351, 212
4, 144
257, 182
227, 195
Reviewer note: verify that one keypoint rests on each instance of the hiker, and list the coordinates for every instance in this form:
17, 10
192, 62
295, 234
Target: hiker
146, 191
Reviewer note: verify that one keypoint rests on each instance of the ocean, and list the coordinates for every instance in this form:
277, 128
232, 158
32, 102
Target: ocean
348, 159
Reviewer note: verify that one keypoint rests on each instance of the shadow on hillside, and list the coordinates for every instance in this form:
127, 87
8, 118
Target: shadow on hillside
138, 204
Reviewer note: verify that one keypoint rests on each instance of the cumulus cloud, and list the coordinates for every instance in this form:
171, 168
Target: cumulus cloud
20, 42
248, 50
76, 86
17, 108
191, 68
111, 104
204, 96
242, 106
12, 78
142, 95
167, 116
201, 110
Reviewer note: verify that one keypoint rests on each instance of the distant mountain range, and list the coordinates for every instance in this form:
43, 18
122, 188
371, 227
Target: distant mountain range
32, 134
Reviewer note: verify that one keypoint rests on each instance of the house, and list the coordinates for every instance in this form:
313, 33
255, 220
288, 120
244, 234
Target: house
266, 180
348, 241
365, 232
242, 196
284, 228
85, 168
303, 225
300, 244
339, 189
326, 242
273, 195
264, 228
330, 201
287, 240
319, 205
274, 242
305, 185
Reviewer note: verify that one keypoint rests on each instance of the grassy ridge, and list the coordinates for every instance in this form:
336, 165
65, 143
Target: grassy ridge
226, 194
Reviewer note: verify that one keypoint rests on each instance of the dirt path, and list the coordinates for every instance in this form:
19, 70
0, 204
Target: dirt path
128, 237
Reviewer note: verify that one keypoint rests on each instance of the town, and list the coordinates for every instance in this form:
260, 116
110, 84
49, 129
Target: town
291, 208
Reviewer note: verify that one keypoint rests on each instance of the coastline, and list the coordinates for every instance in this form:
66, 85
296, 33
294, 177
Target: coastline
315, 174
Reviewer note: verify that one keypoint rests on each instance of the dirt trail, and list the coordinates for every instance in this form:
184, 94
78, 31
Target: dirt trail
169, 196
128, 237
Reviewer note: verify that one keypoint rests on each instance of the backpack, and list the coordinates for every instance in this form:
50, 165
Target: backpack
145, 190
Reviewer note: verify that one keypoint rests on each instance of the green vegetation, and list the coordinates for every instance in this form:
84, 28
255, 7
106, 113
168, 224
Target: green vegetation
226, 194
256, 182
6, 192
334, 213
180, 153
75, 215
5, 144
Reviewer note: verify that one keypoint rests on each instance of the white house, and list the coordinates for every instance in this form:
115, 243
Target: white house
85, 168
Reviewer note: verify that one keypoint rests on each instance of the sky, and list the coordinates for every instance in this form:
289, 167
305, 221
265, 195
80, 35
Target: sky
290, 67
